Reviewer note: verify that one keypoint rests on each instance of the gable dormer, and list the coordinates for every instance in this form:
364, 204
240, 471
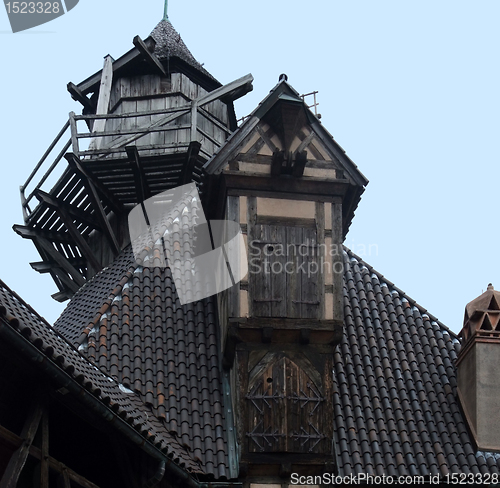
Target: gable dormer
293, 190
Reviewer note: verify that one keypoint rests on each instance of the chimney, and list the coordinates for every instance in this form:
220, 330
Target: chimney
478, 369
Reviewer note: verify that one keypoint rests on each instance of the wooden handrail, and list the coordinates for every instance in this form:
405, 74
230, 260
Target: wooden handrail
47, 152
25, 201
137, 130
133, 114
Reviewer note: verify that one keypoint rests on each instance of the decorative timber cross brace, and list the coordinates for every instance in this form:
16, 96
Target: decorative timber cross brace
285, 413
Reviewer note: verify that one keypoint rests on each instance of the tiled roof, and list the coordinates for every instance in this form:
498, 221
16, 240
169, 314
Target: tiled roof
141, 335
396, 409
25, 323
94, 294
395, 405
169, 44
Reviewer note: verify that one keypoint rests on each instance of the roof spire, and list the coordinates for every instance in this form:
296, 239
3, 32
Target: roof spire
165, 12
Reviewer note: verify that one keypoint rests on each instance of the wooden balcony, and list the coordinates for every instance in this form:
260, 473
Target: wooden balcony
86, 183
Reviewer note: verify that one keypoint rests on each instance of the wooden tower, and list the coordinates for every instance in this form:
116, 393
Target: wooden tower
151, 119
293, 191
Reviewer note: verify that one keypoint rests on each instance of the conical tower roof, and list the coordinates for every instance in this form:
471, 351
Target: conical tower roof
169, 44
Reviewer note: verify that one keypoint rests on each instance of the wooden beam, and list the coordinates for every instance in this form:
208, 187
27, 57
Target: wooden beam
104, 194
91, 83
77, 95
63, 480
18, 459
140, 177
82, 244
70, 474
53, 274
67, 219
61, 296
10, 438
103, 101
270, 144
133, 130
150, 44
42, 240
75, 212
338, 153
69, 287
250, 183
232, 340
337, 262
35, 452
74, 130
99, 211
228, 151
286, 323
305, 143
299, 164
30, 233
44, 464
62, 262
230, 92
46, 267
194, 120
214, 121
191, 158
148, 55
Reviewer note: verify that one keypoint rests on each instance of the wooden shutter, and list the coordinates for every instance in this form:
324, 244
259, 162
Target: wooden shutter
285, 272
303, 283
286, 411
269, 282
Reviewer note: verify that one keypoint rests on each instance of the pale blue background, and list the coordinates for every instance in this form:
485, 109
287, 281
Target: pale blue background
409, 89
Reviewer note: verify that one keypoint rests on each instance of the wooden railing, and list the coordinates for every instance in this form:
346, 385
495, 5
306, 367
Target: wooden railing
122, 137
26, 200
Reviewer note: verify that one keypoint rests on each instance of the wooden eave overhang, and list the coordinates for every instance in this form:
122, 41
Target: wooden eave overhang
130, 63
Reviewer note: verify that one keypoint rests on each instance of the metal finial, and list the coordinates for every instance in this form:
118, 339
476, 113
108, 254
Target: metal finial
165, 13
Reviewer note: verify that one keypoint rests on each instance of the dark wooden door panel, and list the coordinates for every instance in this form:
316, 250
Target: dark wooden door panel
286, 411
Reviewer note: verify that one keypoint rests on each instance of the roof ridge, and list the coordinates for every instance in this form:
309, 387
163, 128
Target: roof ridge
107, 303
46, 323
412, 302
26, 304
3, 311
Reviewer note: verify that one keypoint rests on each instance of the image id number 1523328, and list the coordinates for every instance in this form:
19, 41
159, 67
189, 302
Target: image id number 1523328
33, 7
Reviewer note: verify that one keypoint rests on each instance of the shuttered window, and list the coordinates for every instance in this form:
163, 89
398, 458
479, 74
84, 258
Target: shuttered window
285, 272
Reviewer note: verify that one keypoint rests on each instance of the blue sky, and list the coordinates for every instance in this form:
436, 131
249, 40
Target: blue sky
409, 90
